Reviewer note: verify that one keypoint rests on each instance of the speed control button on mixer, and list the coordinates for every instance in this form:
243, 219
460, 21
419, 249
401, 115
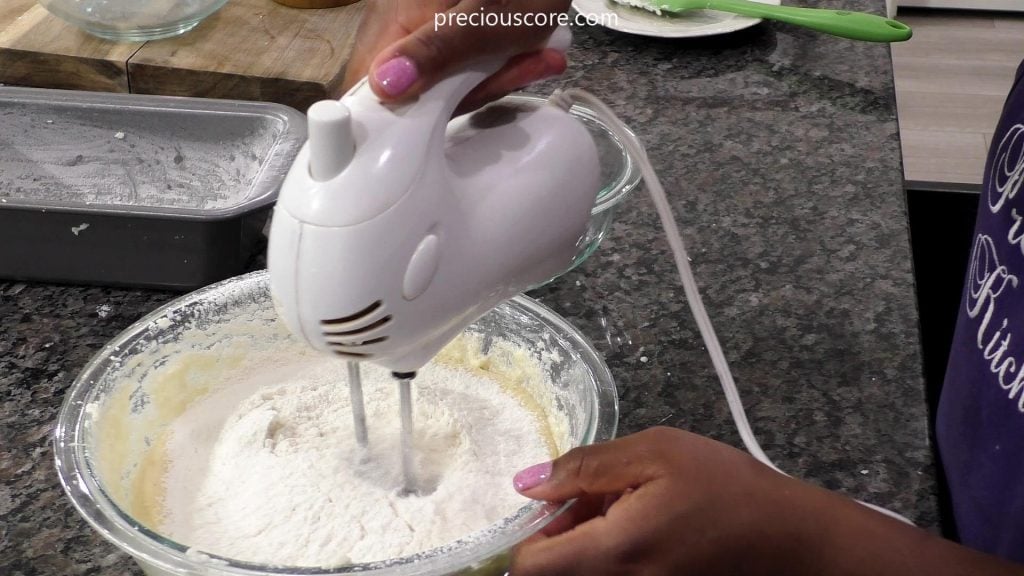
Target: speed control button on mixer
422, 267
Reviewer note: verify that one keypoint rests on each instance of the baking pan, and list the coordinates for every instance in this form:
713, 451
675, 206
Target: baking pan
137, 190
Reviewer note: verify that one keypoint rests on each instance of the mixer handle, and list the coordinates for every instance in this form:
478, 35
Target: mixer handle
362, 140
439, 102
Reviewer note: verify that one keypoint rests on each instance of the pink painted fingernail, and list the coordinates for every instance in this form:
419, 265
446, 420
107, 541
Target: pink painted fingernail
396, 75
532, 477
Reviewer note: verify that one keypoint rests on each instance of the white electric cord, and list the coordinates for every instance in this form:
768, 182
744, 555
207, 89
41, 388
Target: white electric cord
564, 100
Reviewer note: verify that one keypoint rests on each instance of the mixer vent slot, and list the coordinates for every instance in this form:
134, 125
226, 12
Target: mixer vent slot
363, 322
353, 355
354, 317
332, 331
347, 335
356, 343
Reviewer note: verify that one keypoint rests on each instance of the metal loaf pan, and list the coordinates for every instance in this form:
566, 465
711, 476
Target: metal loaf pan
133, 190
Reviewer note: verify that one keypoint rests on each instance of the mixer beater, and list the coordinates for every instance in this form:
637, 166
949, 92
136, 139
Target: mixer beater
405, 410
355, 390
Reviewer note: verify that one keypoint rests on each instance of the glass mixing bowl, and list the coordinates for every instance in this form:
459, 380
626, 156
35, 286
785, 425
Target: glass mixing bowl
113, 398
620, 173
133, 20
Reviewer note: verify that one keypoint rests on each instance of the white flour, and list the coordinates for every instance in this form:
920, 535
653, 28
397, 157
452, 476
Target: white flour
267, 469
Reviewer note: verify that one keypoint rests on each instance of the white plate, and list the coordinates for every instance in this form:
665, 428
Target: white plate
689, 24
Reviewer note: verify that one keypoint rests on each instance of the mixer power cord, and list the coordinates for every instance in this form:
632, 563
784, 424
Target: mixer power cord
564, 99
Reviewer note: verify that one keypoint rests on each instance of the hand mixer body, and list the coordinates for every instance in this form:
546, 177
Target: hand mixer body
427, 226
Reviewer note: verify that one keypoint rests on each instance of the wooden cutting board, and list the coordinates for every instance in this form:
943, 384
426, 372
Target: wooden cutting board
249, 50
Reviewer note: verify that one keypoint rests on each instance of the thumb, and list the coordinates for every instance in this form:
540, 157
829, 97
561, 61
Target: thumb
416, 62
609, 468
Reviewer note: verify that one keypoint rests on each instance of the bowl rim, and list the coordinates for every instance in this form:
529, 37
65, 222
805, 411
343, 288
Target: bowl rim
154, 31
92, 502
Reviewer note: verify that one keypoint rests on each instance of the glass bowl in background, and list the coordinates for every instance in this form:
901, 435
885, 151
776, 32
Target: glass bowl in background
133, 20
113, 399
620, 174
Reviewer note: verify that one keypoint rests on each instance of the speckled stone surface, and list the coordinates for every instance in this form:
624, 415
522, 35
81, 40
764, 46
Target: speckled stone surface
780, 152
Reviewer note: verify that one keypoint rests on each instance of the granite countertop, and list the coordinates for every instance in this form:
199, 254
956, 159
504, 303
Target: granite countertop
779, 149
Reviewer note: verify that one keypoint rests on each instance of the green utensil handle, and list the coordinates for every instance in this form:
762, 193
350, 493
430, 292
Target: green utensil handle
852, 25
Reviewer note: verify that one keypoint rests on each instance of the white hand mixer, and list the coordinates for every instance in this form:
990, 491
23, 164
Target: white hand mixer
393, 233
395, 229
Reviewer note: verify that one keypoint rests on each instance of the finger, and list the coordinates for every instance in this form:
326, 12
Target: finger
601, 469
580, 511
611, 499
415, 63
578, 551
383, 23
520, 71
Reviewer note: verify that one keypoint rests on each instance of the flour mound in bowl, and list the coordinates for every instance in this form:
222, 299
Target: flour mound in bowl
266, 468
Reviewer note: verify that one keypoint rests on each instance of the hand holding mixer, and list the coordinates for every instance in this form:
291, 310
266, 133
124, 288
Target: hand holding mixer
396, 229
